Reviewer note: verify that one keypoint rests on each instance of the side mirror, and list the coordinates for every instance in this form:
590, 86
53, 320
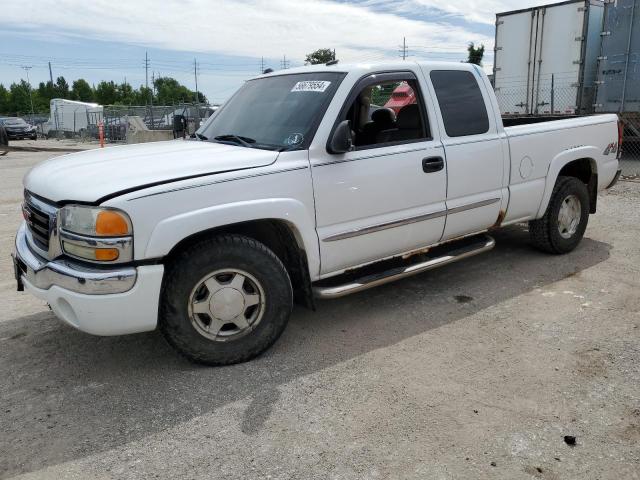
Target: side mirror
341, 141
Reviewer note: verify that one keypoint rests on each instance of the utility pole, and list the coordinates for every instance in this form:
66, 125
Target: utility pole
195, 74
146, 72
26, 69
404, 49
284, 63
50, 74
261, 64
197, 115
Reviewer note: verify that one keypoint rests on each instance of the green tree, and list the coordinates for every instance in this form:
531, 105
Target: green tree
106, 93
61, 88
475, 53
4, 99
19, 101
126, 95
170, 91
322, 55
81, 91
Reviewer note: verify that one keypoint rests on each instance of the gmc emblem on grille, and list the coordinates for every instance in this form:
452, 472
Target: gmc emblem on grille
26, 214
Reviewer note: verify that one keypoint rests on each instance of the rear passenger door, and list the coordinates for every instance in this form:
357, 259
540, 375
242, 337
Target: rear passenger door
473, 150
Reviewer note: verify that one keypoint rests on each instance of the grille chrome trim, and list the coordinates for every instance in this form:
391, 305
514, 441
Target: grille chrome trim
40, 218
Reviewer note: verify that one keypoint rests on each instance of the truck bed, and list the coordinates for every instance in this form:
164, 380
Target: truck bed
535, 146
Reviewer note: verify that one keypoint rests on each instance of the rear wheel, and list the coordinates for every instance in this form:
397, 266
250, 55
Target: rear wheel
562, 227
225, 300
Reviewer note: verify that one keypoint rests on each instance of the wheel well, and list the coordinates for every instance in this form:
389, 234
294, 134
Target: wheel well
280, 238
585, 170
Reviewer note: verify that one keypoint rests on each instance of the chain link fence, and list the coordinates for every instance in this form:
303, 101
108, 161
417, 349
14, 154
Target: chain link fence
82, 122
631, 135
550, 94
556, 96
182, 119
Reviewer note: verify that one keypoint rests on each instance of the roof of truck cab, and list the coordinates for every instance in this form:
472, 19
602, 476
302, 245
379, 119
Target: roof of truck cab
364, 68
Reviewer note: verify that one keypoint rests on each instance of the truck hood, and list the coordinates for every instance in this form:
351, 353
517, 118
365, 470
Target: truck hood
92, 175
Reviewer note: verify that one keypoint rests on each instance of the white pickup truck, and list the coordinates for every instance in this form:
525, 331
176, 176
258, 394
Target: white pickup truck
304, 185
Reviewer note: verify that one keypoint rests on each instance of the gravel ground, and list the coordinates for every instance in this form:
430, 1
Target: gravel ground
630, 168
476, 370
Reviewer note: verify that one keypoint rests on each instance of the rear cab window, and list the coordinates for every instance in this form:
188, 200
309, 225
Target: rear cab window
462, 105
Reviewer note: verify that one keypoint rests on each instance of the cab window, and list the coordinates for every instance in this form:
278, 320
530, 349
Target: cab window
461, 104
387, 112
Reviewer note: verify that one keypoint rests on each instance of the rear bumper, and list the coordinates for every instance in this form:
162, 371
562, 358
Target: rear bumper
101, 302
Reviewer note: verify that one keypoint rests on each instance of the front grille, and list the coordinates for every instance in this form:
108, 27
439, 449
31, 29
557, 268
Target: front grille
38, 224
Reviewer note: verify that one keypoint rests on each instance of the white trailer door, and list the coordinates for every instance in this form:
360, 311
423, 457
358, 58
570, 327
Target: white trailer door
559, 43
515, 36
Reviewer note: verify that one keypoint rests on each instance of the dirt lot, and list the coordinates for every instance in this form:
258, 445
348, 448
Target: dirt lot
477, 370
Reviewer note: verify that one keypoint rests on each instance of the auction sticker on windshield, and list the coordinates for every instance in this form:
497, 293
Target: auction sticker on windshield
311, 86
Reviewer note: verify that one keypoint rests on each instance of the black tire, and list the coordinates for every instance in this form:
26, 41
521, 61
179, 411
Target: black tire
190, 266
544, 232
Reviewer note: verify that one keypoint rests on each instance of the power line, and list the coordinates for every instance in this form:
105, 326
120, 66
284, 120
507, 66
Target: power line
284, 63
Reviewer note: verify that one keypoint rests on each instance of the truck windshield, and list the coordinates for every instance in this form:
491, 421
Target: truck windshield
277, 113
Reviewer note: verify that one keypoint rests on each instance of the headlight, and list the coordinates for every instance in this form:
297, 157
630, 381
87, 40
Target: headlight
96, 234
95, 222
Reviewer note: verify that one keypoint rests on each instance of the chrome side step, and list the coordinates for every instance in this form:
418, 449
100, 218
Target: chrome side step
455, 252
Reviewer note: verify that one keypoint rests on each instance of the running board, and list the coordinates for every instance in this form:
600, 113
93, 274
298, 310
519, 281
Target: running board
449, 253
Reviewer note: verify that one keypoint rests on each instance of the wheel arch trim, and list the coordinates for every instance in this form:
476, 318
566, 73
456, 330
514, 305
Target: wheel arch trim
171, 231
558, 163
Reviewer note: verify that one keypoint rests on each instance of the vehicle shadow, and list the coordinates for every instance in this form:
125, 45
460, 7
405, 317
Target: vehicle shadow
66, 395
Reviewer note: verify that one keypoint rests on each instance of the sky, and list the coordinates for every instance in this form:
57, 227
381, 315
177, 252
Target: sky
230, 39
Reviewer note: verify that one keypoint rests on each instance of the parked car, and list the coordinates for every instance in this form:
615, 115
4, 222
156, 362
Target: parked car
18, 129
290, 192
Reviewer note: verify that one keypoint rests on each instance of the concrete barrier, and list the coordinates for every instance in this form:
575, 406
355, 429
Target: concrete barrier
137, 132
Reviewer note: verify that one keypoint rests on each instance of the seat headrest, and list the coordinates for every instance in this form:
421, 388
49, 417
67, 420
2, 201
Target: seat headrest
385, 117
409, 117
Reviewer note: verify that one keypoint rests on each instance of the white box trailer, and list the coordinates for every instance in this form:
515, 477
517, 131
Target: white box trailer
546, 58
69, 117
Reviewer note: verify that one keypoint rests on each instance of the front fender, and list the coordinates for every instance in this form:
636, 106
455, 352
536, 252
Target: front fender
170, 231
558, 163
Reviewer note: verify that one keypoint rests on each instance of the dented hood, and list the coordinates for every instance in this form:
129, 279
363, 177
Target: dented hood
95, 174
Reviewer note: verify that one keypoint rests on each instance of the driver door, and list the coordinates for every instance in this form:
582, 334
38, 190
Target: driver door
387, 196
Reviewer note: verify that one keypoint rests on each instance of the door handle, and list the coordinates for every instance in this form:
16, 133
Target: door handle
432, 164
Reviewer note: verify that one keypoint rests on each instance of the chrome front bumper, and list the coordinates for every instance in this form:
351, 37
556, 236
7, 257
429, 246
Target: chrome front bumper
44, 274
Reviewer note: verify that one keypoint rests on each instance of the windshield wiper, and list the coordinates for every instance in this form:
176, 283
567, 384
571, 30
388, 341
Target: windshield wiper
244, 141
201, 137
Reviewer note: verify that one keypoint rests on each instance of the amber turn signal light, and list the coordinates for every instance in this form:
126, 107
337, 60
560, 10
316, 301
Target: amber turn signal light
111, 224
106, 254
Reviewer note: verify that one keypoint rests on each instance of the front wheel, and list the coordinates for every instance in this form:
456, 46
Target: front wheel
225, 300
562, 227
